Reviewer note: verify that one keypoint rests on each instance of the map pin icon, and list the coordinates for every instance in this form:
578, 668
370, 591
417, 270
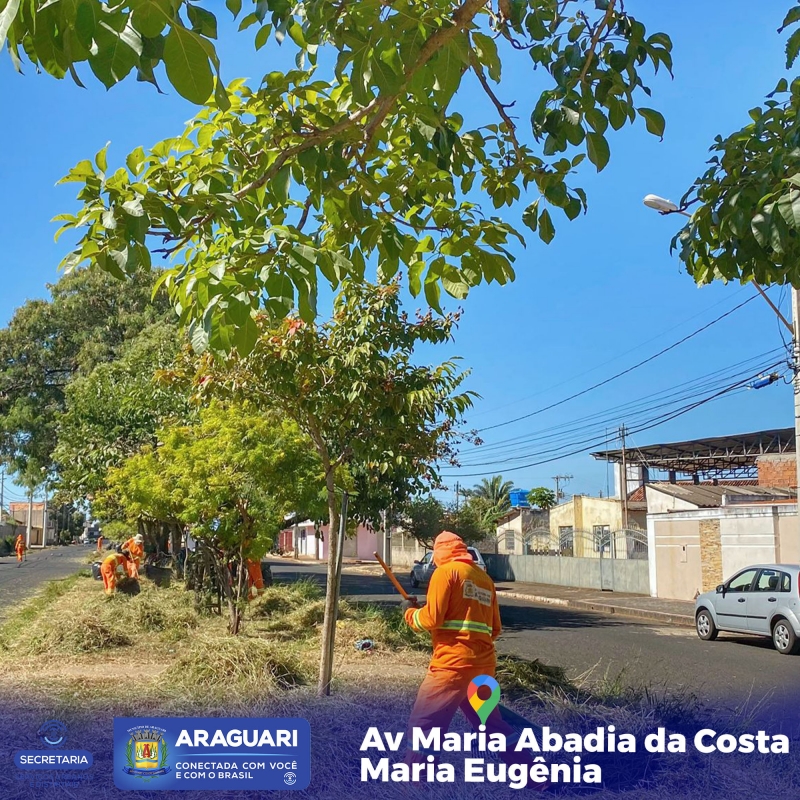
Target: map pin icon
484, 696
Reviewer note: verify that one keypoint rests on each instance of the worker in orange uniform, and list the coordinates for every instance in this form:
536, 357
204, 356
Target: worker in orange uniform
135, 548
463, 619
19, 549
255, 579
99, 544
112, 569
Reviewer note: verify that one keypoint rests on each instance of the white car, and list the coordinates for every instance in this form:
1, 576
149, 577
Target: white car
422, 570
763, 600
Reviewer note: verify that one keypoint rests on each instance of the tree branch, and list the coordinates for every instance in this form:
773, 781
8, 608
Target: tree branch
501, 108
595, 39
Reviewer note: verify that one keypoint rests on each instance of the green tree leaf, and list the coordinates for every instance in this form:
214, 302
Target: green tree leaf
653, 120
597, 150
187, 65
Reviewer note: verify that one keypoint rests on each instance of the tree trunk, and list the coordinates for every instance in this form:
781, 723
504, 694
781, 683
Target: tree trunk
332, 589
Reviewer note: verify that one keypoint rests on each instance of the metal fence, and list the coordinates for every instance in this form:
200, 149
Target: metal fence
601, 542
596, 559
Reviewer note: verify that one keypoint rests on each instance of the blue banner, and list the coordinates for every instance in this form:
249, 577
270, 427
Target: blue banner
244, 753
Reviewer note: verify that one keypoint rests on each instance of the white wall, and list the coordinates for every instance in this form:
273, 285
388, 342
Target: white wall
661, 502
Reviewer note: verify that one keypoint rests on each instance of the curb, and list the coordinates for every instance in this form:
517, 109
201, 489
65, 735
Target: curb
666, 617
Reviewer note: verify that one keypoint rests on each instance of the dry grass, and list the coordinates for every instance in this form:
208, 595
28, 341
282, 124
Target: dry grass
66, 650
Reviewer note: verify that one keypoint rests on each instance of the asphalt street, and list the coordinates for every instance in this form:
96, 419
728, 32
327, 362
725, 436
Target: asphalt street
726, 674
17, 583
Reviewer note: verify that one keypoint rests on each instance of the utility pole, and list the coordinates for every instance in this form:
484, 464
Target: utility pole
559, 479
624, 481
2, 490
30, 515
796, 385
44, 517
457, 488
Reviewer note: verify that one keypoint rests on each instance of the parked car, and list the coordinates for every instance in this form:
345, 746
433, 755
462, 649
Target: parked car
763, 600
422, 570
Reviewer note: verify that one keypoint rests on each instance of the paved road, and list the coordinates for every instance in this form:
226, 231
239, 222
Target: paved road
723, 673
17, 583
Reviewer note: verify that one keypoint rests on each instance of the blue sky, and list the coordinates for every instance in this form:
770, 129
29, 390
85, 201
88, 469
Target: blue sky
604, 295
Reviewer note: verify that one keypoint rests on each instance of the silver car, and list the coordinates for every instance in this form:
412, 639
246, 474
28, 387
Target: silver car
422, 570
763, 600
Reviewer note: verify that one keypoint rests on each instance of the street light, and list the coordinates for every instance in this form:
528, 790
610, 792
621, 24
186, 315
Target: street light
661, 205
665, 207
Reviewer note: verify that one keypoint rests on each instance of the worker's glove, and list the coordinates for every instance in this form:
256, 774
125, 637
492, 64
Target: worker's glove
412, 602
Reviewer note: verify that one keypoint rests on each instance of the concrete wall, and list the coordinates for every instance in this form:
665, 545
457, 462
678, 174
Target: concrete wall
405, 549
693, 551
523, 526
627, 576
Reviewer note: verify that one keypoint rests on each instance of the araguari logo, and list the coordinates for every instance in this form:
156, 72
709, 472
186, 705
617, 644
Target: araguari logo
220, 754
146, 753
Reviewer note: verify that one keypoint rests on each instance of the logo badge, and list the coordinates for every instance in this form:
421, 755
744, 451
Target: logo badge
146, 753
52, 733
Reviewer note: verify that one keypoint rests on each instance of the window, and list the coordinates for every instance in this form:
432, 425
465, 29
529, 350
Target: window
509, 544
426, 558
771, 580
566, 540
602, 538
742, 582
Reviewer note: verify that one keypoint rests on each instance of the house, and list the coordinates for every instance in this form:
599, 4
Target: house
306, 539
701, 534
736, 505
19, 511
519, 530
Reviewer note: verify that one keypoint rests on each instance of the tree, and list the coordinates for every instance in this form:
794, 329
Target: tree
493, 492
363, 158
542, 497
116, 410
232, 476
88, 320
424, 517
747, 222
352, 385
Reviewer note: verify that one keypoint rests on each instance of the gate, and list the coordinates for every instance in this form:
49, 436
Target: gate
596, 559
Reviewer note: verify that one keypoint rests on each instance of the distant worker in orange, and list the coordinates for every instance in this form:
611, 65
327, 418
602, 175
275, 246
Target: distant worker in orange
463, 619
99, 544
135, 548
20, 548
255, 579
112, 569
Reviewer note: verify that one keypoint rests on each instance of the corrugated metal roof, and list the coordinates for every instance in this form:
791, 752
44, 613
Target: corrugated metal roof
710, 496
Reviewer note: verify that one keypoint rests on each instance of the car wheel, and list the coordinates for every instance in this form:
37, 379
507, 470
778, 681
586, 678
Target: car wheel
704, 624
414, 581
784, 638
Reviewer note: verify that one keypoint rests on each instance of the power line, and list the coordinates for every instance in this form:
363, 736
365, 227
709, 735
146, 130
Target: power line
623, 372
644, 426
646, 404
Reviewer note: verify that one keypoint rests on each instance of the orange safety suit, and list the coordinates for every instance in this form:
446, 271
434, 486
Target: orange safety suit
137, 554
19, 547
463, 619
113, 568
99, 544
255, 579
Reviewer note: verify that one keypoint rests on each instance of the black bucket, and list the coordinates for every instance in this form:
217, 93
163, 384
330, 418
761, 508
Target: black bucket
96, 570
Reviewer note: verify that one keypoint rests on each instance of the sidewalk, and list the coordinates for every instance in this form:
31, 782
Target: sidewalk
669, 612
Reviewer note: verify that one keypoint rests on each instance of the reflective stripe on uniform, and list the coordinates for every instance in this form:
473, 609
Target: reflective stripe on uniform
415, 623
466, 625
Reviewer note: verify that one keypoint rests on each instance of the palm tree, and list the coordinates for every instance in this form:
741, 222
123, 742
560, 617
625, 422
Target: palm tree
493, 492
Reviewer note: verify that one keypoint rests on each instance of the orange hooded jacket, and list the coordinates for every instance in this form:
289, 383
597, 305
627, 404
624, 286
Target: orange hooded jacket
461, 614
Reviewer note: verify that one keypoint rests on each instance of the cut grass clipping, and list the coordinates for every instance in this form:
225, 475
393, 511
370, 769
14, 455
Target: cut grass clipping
74, 617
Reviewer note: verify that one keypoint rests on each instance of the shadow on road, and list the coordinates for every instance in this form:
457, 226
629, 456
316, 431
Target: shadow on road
514, 617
